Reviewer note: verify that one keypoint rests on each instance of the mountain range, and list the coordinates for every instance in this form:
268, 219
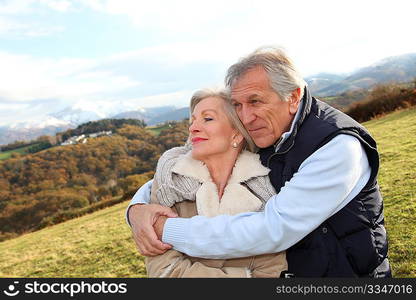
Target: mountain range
71, 117
391, 69
396, 68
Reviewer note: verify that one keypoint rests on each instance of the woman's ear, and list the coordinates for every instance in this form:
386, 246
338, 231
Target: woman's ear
238, 138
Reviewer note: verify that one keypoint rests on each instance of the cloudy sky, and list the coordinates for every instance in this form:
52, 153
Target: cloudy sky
116, 54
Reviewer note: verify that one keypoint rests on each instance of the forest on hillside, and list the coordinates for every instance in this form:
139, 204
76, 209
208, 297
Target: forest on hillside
48, 187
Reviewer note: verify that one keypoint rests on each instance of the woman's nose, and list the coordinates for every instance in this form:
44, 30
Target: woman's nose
194, 127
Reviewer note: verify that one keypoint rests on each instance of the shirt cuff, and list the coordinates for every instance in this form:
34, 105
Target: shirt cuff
142, 196
175, 232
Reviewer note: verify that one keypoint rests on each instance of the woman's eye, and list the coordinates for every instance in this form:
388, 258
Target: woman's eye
208, 119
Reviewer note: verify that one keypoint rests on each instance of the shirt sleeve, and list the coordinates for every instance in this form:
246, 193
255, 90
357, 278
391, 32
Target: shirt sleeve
325, 182
142, 196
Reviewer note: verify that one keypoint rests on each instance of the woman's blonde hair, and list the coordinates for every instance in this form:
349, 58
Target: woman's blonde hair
229, 110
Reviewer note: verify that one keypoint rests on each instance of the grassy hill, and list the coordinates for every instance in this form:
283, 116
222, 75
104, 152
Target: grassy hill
396, 138
100, 244
7, 154
96, 245
156, 129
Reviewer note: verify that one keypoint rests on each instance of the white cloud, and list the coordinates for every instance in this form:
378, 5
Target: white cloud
13, 7
193, 43
21, 19
17, 30
25, 78
24, 7
178, 99
335, 36
58, 5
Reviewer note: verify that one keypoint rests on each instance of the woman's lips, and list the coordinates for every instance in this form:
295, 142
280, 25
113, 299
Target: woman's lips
197, 140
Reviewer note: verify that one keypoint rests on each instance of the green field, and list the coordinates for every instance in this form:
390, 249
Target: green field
100, 244
157, 129
396, 138
8, 154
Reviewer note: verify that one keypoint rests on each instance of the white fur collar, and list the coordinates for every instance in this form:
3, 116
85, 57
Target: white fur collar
236, 198
190, 167
247, 166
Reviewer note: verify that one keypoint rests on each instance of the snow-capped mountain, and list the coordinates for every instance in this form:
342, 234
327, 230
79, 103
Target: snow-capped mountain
400, 68
47, 121
145, 114
72, 116
76, 116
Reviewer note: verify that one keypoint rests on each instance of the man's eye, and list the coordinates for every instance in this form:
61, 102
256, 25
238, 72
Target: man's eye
236, 104
208, 119
254, 101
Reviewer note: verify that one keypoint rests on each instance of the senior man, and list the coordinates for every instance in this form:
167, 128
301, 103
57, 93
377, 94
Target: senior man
328, 211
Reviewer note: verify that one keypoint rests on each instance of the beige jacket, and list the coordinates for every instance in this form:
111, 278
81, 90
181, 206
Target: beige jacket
236, 199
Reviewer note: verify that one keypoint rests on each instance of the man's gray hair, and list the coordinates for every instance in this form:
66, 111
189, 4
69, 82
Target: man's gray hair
229, 110
283, 75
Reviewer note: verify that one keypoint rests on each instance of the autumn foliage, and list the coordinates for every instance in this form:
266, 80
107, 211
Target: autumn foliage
63, 182
383, 99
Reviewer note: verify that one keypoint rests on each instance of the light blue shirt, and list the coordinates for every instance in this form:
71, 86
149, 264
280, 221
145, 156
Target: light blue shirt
325, 182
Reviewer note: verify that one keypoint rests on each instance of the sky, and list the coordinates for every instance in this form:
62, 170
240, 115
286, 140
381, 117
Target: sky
115, 55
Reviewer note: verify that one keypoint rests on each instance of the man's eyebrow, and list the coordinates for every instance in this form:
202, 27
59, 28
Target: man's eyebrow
251, 97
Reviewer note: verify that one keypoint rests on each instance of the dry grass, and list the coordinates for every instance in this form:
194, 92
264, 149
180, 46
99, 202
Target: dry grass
96, 245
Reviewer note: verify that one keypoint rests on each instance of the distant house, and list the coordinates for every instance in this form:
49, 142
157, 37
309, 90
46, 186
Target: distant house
73, 140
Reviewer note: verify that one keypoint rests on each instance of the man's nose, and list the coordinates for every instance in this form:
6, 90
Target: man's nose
246, 115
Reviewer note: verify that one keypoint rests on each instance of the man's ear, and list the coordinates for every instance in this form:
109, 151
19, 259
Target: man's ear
294, 101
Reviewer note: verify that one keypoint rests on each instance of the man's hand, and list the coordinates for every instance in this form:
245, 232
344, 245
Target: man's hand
142, 219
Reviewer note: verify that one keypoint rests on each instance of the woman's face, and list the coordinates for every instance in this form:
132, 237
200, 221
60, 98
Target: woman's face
210, 130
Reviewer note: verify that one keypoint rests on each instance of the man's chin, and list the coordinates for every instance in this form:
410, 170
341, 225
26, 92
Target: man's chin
261, 143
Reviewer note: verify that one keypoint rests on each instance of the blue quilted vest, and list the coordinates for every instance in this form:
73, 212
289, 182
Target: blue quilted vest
353, 242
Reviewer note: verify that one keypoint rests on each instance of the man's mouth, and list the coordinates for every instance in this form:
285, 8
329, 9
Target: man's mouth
254, 130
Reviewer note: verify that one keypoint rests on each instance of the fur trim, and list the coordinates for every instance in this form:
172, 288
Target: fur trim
236, 198
248, 273
187, 166
247, 166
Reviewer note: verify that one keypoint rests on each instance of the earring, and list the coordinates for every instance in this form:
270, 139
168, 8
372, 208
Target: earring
234, 145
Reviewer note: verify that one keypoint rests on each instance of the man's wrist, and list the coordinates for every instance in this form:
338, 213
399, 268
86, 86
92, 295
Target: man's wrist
130, 211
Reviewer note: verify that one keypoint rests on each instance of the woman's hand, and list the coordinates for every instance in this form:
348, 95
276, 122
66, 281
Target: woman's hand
142, 218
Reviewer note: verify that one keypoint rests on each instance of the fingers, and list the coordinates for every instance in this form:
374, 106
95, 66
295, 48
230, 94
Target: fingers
142, 219
151, 246
167, 211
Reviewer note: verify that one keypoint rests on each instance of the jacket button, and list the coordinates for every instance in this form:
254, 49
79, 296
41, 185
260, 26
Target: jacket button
324, 229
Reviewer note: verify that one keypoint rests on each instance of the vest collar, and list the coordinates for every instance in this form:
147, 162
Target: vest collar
305, 110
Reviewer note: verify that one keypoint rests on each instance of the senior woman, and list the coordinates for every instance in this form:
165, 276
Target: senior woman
216, 175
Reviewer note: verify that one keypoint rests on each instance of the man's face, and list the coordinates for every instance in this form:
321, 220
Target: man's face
263, 113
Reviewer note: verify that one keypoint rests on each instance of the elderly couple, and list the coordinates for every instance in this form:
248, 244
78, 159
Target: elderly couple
271, 183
